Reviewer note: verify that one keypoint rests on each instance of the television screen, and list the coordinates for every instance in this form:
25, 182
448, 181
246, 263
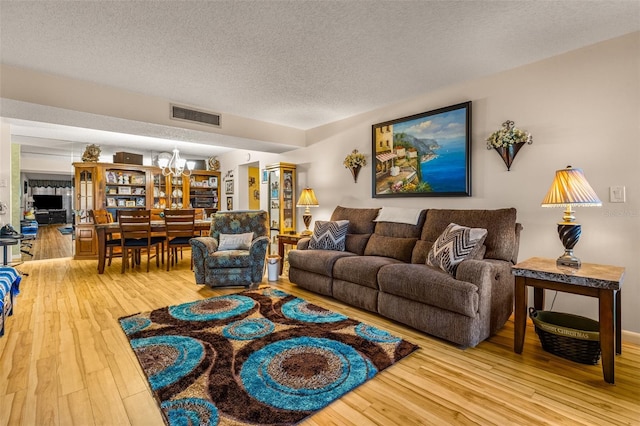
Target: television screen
47, 202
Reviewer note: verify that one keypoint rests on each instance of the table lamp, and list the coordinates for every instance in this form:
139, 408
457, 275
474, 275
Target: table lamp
307, 199
570, 188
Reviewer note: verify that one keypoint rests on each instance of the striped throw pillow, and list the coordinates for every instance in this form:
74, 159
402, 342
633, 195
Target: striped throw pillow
329, 235
454, 245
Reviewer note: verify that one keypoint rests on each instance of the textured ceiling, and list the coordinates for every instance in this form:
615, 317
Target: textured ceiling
297, 63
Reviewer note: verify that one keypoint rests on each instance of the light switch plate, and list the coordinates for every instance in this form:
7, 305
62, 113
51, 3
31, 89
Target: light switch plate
617, 194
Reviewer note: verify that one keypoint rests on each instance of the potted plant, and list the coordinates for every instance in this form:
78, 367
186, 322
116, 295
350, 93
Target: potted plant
354, 162
507, 141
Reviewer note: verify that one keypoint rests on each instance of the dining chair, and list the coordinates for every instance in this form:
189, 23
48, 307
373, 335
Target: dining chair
179, 226
135, 235
113, 241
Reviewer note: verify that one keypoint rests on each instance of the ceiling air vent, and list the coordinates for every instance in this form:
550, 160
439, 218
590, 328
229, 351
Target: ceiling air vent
195, 116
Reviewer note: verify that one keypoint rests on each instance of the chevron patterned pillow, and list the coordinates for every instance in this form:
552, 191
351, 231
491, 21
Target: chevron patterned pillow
454, 245
329, 235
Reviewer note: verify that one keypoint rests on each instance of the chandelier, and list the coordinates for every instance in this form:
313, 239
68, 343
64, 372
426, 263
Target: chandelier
173, 165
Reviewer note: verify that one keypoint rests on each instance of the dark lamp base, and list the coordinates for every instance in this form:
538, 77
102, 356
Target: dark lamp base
569, 234
568, 261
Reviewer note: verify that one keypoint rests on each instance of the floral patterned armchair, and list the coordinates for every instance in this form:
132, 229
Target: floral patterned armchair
243, 266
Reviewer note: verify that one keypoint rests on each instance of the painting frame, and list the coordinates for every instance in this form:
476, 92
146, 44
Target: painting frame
423, 155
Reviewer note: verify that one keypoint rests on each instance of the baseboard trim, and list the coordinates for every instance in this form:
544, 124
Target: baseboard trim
631, 337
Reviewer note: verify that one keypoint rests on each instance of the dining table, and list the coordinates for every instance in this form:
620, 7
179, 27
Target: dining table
157, 227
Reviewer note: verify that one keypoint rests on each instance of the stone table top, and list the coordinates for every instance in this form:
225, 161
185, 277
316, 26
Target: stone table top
588, 275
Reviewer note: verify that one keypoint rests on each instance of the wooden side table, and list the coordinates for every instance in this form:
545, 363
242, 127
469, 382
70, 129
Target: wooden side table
290, 239
601, 281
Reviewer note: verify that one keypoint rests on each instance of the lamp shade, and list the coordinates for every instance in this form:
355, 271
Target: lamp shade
570, 188
307, 199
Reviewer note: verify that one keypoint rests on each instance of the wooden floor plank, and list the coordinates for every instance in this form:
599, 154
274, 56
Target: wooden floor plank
67, 316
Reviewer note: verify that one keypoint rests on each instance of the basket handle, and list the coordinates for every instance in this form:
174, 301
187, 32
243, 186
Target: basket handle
533, 313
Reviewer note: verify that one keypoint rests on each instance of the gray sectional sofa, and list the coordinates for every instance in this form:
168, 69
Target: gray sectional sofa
383, 270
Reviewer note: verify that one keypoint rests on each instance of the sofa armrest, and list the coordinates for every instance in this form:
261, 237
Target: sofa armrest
495, 284
303, 243
478, 272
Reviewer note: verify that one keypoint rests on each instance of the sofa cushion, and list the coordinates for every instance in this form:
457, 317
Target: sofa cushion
455, 244
361, 270
431, 286
360, 220
401, 230
229, 259
396, 248
500, 225
361, 226
316, 261
329, 235
356, 243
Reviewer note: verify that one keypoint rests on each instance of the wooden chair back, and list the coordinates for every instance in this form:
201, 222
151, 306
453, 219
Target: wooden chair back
179, 223
100, 216
134, 224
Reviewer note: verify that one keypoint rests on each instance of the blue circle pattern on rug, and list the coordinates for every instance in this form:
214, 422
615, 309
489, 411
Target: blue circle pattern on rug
190, 411
134, 324
375, 334
248, 329
352, 371
230, 306
298, 309
274, 292
189, 353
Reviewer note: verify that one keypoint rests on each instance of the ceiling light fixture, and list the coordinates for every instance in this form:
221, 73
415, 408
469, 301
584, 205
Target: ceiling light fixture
173, 165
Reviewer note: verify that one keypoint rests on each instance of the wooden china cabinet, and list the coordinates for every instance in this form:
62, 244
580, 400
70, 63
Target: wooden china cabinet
116, 186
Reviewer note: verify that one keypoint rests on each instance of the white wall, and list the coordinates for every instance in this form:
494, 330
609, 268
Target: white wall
5, 173
583, 109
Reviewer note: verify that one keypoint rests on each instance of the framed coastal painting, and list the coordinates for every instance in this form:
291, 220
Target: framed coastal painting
423, 155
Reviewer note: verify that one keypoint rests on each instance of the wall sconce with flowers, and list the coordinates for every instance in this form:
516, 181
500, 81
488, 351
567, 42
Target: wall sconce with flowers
507, 141
354, 162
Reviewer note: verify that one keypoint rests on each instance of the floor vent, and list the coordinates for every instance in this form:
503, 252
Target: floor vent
195, 116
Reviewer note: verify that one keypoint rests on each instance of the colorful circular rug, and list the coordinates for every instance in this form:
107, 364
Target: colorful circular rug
258, 357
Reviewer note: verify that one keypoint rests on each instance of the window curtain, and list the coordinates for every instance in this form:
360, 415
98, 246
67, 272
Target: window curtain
33, 183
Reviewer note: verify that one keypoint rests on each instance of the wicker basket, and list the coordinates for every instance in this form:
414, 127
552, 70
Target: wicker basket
570, 336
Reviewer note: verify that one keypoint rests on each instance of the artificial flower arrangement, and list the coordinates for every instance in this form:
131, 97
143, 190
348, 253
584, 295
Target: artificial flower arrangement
507, 136
355, 159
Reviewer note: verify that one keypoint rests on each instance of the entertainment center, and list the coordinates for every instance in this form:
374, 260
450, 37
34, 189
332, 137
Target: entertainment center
46, 217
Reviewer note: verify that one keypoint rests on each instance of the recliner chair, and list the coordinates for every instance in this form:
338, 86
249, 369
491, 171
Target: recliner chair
226, 264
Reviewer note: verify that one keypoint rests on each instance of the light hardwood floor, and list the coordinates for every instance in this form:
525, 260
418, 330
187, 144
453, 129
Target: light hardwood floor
65, 361
50, 244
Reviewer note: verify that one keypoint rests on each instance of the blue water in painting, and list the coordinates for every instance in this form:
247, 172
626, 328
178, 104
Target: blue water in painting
447, 172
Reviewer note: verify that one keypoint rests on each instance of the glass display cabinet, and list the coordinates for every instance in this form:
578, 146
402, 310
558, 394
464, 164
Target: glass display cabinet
281, 200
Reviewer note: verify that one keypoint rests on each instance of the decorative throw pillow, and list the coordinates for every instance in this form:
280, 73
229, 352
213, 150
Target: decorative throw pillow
329, 235
455, 244
235, 241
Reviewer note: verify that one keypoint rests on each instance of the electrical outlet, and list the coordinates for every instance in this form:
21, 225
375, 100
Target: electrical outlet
617, 194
